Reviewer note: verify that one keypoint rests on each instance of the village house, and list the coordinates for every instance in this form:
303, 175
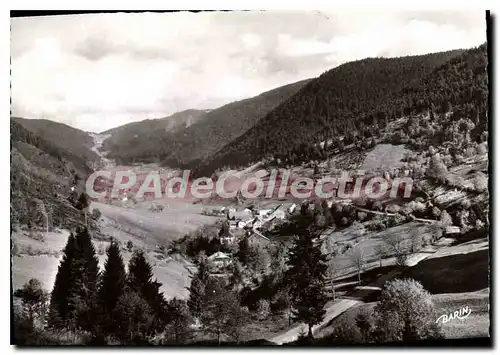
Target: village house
228, 238
257, 238
452, 230
233, 224
278, 214
220, 259
264, 213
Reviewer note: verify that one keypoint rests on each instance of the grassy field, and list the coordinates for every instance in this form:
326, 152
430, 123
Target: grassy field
173, 222
384, 156
452, 274
359, 237
477, 324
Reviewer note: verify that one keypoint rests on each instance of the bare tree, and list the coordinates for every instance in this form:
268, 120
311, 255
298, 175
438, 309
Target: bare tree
331, 273
358, 259
398, 245
437, 231
381, 252
416, 240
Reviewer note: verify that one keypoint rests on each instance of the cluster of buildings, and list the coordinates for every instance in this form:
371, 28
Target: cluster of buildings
247, 223
250, 220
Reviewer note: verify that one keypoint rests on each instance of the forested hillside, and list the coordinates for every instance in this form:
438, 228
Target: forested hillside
135, 132
69, 139
203, 138
356, 100
41, 177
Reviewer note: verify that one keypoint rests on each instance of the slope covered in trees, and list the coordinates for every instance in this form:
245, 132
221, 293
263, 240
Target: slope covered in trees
136, 132
72, 140
41, 175
356, 100
203, 138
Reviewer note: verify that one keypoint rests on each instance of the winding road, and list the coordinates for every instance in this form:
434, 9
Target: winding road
332, 311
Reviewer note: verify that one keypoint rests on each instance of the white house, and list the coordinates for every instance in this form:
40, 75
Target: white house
220, 259
264, 212
450, 230
229, 239
279, 214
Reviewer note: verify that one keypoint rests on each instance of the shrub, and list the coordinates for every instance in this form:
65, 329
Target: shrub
362, 215
96, 214
345, 333
393, 209
447, 160
480, 182
482, 149
263, 309
437, 231
377, 226
437, 169
446, 219
36, 236
377, 206
436, 212
405, 312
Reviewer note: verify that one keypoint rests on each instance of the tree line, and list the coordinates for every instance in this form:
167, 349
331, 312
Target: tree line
357, 101
109, 305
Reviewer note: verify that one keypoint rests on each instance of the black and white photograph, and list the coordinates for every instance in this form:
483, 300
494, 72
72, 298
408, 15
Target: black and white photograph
297, 178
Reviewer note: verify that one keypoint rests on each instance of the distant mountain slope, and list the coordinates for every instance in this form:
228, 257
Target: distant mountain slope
130, 133
206, 136
70, 139
355, 100
41, 175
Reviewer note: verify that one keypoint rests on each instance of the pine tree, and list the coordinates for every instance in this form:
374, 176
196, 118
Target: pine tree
83, 201
306, 277
437, 169
140, 280
244, 251
197, 289
34, 299
221, 305
84, 275
179, 319
59, 310
112, 285
134, 318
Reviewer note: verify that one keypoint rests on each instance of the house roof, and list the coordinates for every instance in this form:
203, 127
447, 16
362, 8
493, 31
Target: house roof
219, 255
452, 229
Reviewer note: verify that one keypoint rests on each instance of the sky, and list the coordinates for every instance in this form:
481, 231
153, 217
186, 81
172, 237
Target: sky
98, 71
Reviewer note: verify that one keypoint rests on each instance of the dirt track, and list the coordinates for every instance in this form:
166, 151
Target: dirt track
333, 311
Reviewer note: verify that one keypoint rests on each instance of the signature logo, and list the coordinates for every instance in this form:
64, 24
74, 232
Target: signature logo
462, 313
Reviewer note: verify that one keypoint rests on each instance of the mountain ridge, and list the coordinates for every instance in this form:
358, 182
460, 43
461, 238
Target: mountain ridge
217, 127
353, 100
